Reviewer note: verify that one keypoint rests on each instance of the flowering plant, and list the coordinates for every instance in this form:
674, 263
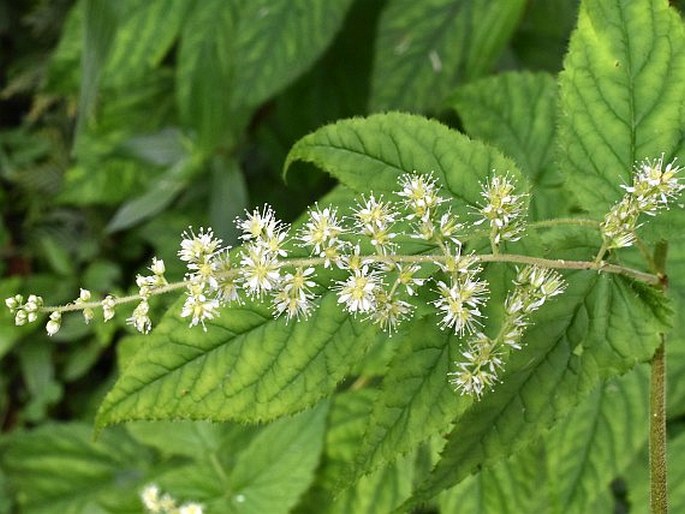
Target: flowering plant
435, 314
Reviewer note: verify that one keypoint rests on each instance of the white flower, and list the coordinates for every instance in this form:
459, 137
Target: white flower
389, 311
226, 287
405, 276
108, 305
150, 498
140, 319
196, 248
294, 299
14, 302
460, 303
357, 292
503, 210
258, 225
322, 230
84, 297
420, 193
158, 268
190, 508
479, 367
260, 271
198, 307
54, 324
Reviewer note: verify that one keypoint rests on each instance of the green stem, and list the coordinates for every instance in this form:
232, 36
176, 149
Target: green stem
658, 480
604, 267
658, 470
581, 222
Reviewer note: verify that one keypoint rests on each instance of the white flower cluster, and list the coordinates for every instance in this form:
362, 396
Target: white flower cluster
503, 210
157, 502
483, 359
24, 312
379, 283
654, 186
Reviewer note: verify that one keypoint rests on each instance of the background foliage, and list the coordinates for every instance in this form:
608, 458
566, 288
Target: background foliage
124, 122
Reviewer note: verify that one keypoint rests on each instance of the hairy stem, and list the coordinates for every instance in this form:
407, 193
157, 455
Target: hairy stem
603, 267
658, 480
658, 476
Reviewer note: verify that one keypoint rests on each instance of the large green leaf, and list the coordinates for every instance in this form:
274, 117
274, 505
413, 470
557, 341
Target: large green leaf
621, 95
381, 491
604, 326
638, 485
424, 49
569, 468
58, 468
516, 112
279, 463
144, 37
371, 153
246, 367
415, 401
278, 40
99, 22
594, 445
205, 72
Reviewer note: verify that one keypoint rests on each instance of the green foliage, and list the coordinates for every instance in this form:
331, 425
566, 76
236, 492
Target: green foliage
127, 122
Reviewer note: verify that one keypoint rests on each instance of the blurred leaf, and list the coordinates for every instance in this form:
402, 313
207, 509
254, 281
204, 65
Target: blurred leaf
228, 198
205, 73
159, 195
100, 21
277, 41
144, 36
163, 148
58, 468
38, 373
425, 49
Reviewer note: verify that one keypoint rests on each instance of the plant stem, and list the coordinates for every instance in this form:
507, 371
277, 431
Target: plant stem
658, 470
638, 275
658, 482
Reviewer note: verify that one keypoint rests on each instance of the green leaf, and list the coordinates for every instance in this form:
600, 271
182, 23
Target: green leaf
415, 400
246, 367
58, 468
205, 72
597, 442
381, 491
424, 49
621, 83
516, 112
159, 195
100, 20
510, 487
278, 41
228, 197
604, 326
638, 479
371, 153
278, 465
144, 36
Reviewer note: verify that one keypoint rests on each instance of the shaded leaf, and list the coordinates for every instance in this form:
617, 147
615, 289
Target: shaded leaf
424, 49
516, 112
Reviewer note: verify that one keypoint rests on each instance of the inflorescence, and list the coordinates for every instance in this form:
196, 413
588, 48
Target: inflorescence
378, 283
156, 502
